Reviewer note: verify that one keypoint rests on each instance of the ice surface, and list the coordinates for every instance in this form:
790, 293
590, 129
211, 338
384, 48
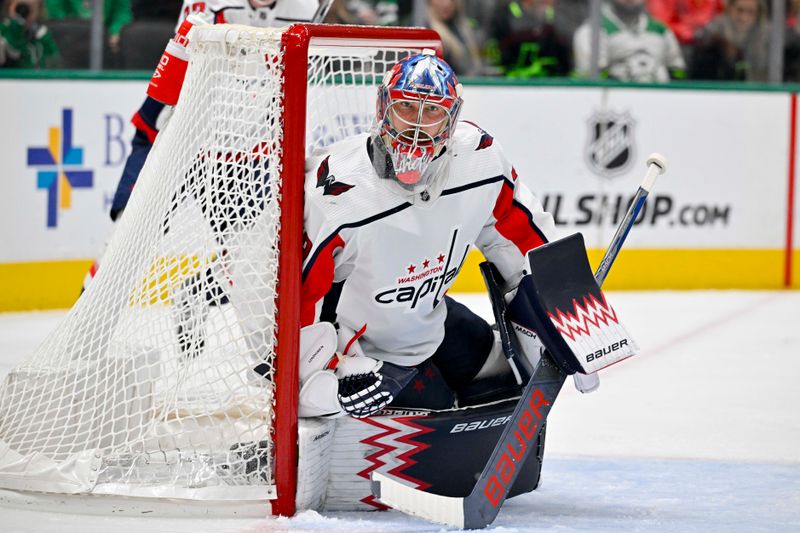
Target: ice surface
700, 432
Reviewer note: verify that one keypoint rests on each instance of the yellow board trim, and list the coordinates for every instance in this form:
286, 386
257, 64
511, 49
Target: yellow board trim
57, 284
638, 269
41, 285
796, 269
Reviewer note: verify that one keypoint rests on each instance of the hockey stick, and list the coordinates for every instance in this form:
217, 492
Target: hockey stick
322, 11
656, 165
481, 506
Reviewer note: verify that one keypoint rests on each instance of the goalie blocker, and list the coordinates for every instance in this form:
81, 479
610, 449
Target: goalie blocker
562, 305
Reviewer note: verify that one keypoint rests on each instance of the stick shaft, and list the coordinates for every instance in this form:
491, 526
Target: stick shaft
619, 237
322, 10
627, 223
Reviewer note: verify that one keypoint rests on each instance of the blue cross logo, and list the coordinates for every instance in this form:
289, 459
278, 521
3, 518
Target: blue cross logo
59, 168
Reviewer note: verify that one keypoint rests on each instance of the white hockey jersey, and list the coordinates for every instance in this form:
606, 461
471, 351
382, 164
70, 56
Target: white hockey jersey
281, 13
400, 259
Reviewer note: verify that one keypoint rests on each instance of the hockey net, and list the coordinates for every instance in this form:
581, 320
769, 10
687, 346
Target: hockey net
174, 375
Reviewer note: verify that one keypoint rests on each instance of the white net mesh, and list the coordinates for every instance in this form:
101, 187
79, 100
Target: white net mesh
159, 381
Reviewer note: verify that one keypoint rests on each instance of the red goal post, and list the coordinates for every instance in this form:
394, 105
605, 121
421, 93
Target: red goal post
296, 42
146, 390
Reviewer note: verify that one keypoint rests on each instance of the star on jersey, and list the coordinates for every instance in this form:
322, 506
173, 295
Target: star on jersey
331, 187
426, 268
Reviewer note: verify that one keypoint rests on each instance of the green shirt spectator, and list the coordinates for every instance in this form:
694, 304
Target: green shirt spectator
24, 42
116, 14
633, 46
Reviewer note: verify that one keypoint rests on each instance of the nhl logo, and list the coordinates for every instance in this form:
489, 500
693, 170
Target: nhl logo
609, 151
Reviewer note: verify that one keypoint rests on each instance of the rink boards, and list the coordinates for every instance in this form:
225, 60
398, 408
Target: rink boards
722, 217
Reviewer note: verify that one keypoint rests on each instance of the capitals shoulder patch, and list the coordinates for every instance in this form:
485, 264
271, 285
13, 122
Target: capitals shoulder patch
486, 140
328, 182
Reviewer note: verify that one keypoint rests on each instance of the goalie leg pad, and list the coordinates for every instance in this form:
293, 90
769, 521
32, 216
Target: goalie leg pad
319, 396
318, 384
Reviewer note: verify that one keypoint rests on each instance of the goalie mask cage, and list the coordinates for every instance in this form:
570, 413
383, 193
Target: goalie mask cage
147, 389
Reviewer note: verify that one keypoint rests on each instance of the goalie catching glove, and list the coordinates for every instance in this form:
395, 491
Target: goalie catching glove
333, 385
370, 385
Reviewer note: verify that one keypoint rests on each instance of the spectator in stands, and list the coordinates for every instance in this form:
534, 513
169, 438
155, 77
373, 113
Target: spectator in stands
735, 45
480, 14
527, 41
461, 48
155, 9
363, 12
685, 17
567, 18
791, 58
116, 14
633, 46
24, 41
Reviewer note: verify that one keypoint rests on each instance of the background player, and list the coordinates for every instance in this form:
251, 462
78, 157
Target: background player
153, 115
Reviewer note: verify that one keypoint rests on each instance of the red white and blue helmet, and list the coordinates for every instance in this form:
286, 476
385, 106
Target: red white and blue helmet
418, 106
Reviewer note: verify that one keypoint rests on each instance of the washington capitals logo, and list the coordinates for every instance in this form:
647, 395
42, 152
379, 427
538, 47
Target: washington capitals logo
592, 312
326, 180
486, 139
429, 277
60, 168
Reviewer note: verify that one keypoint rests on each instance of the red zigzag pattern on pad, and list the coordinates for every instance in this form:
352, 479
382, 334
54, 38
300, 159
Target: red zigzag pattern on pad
384, 442
592, 312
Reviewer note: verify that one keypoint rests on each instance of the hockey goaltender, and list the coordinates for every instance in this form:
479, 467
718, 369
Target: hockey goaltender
390, 216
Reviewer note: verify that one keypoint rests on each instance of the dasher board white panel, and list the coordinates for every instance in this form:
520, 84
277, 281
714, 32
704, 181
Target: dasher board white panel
728, 153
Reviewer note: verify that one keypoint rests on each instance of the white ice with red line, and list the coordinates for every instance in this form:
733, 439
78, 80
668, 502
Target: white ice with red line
699, 432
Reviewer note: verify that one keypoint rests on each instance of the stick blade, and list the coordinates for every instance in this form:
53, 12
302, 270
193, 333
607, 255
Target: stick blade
445, 510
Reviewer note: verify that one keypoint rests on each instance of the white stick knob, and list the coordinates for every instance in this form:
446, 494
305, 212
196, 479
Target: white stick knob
656, 165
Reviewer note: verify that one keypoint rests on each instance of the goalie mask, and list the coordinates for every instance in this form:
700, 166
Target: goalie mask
418, 105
